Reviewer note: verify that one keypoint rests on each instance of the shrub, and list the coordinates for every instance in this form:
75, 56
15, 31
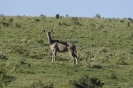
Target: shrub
3, 57
86, 82
66, 15
98, 16
57, 16
4, 79
42, 16
128, 24
130, 19
5, 24
37, 20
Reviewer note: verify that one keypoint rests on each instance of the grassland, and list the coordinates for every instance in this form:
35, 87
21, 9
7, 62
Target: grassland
104, 46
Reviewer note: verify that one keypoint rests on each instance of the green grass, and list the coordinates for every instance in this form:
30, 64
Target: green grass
104, 46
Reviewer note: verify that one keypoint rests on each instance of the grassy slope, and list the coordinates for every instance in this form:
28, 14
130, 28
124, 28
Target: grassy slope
106, 42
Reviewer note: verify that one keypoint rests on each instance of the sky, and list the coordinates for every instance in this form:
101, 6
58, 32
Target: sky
72, 8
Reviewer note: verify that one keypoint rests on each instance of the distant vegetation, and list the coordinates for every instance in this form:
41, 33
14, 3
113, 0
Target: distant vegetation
104, 48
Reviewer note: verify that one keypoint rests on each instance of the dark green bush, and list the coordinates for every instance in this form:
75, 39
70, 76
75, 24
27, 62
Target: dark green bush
17, 25
86, 82
37, 20
3, 57
98, 16
5, 24
57, 16
130, 19
4, 79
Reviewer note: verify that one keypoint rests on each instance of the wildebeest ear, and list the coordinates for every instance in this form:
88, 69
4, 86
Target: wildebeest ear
44, 31
52, 30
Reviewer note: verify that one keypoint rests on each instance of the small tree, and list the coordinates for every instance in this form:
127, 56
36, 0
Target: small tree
98, 16
66, 15
57, 16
